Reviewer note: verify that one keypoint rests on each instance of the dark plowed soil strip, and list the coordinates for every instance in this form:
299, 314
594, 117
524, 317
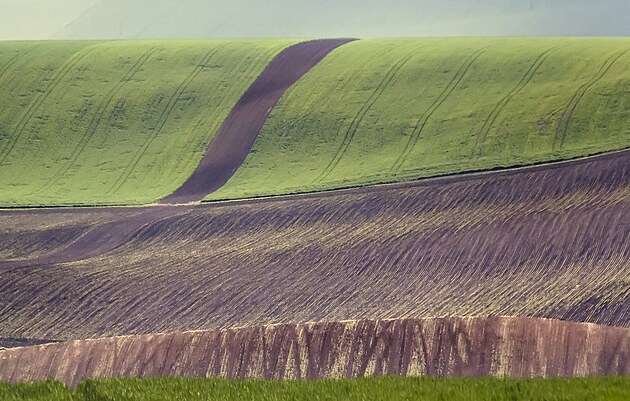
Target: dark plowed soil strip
23, 342
552, 242
122, 224
443, 347
93, 241
235, 138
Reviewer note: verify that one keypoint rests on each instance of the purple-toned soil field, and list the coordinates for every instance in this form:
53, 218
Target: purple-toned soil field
516, 347
549, 242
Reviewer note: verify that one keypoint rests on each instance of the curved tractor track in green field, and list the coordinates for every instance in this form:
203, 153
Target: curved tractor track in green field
39, 100
236, 136
396, 110
390, 76
111, 123
487, 126
422, 122
567, 115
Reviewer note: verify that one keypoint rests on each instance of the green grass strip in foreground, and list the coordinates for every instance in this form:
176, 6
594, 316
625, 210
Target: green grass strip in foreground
384, 388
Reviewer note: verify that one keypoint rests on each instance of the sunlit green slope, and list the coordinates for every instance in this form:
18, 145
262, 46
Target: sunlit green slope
114, 122
392, 110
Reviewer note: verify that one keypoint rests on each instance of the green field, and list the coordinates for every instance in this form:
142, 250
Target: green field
127, 122
376, 389
391, 110
114, 122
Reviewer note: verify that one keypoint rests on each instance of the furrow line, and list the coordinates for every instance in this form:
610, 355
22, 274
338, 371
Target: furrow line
41, 98
422, 122
529, 75
567, 115
9, 64
354, 125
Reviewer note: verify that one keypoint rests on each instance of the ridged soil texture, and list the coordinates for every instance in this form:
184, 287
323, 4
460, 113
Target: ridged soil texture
500, 347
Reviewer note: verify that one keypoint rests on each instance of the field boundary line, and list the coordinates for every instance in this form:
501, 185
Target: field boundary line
496, 111
418, 182
358, 118
41, 98
422, 122
567, 115
97, 118
379, 186
163, 119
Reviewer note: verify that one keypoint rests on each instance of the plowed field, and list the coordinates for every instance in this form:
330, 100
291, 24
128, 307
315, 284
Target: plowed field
545, 242
431, 347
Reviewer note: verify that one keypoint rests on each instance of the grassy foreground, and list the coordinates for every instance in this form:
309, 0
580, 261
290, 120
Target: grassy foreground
392, 110
115, 122
385, 388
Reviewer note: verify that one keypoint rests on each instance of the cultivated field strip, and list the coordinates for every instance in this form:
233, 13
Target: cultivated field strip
238, 132
456, 105
547, 242
500, 346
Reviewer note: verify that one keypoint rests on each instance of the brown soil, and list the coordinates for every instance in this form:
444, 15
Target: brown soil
235, 138
23, 342
546, 242
514, 347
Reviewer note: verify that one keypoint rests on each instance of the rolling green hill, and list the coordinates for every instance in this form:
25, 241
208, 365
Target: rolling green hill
127, 122
392, 110
114, 122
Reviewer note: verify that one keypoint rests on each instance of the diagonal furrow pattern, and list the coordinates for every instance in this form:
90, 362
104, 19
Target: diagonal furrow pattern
496, 111
97, 118
358, 118
567, 115
39, 100
550, 241
424, 119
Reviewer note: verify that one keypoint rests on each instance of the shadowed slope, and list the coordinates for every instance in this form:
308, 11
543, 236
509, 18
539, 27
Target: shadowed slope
434, 347
553, 241
235, 138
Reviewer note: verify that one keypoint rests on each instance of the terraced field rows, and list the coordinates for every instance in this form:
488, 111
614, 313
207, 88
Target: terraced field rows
546, 242
500, 347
